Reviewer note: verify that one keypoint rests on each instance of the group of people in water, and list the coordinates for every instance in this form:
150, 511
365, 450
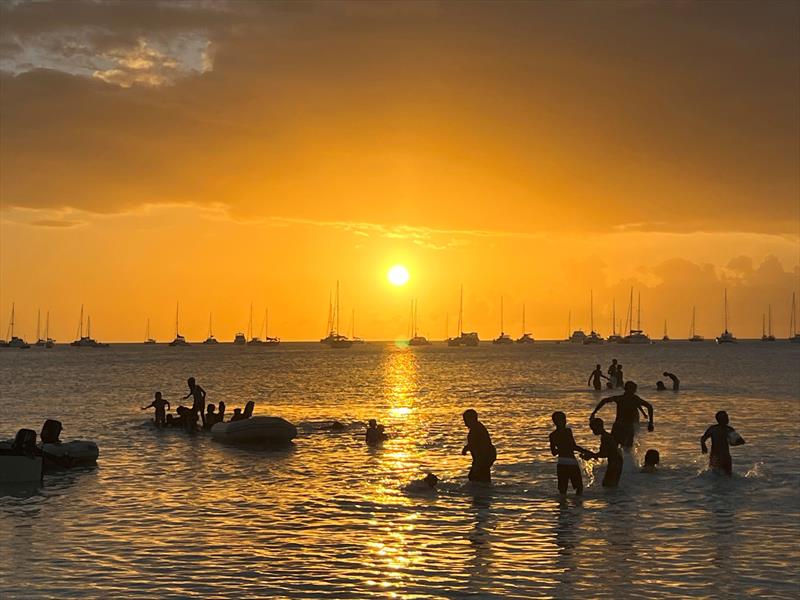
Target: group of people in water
616, 377
209, 415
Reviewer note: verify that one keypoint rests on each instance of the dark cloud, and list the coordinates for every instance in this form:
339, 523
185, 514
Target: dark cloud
664, 116
54, 223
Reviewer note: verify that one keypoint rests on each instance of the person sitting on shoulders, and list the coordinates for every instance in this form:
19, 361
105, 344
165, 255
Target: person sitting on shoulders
160, 405
651, 460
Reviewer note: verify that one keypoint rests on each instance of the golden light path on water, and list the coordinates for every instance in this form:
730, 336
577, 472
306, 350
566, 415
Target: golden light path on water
172, 515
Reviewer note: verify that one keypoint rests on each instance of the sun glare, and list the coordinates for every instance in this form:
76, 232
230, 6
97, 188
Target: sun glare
397, 275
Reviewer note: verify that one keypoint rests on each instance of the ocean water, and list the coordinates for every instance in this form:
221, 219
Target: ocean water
172, 515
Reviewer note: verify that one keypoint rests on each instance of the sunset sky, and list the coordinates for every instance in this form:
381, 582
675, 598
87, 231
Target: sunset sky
223, 153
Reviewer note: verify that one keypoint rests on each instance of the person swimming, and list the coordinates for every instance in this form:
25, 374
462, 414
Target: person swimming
609, 449
479, 445
161, 413
660, 387
628, 406
562, 444
426, 484
651, 460
723, 436
594, 378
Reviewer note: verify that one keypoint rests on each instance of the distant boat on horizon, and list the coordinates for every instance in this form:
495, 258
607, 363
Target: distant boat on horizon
415, 339
726, 337
693, 337
593, 337
577, 336
147, 339
353, 336
13, 340
463, 338
210, 340
525, 338
636, 336
48, 341
766, 335
503, 338
179, 339
334, 339
86, 341
614, 338
665, 337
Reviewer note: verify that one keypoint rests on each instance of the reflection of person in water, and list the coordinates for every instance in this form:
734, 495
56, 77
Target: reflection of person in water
628, 406
723, 436
594, 378
609, 449
562, 444
479, 445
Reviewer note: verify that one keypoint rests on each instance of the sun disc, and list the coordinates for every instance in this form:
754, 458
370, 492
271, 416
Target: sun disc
398, 275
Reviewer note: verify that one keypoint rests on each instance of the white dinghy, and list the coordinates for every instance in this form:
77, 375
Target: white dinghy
255, 430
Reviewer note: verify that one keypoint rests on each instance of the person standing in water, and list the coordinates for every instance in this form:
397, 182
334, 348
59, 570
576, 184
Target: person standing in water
594, 378
479, 445
198, 395
612, 374
676, 383
723, 436
609, 449
628, 406
562, 444
160, 405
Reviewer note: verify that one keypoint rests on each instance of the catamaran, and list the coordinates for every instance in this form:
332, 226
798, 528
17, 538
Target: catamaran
267, 341
210, 340
766, 335
464, 338
13, 340
503, 338
693, 337
636, 336
254, 340
794, 337
334, 339
179, 339
48, 341
525, 338
726, 337
86, 341
147, 339
416, 339
614, 338
593, 337
40, 343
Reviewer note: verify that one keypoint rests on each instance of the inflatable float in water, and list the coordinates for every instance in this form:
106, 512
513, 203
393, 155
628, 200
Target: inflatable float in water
255, 430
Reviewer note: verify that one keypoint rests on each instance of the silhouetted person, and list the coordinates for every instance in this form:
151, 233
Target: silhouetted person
609, 449
620, 376
237, 415
479, 445
221, 411
563, 445
628, 406
612, 373
211, 417
660, 387
198, 395
427, 484
371, 436
382, 435
651, 460
161, 414
594, 378
676, 383
723, 436
249, 407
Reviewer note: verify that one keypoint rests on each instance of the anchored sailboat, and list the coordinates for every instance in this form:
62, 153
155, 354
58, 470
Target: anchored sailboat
416, 339
269, 341
13, 340
334, 339
210, 340
636, 336
48, 341
614, 338
464, 338
593, 337
147, 339
766, 335
86, 341
525, 338
726, 337
665, 337
179, 339
254, 340
503, 338
577, 336
693, 337
39, 341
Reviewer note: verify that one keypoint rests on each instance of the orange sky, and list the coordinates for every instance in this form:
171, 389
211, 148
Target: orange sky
218, 154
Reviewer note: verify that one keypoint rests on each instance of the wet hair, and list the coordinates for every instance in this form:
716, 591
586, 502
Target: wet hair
596, 423
210, 408
722, 417
559, 418
652, 457
660, 385
372, 423
598, 366
470, 414
158, 394
630, 386
613, 360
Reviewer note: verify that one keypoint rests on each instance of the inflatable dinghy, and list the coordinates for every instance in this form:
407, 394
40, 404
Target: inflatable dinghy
20, 461
255, 430
66, 455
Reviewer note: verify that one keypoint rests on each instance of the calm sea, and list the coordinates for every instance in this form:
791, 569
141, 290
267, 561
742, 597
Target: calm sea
172, 515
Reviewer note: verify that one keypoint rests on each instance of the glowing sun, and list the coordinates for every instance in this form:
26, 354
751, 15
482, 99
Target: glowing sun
398, 275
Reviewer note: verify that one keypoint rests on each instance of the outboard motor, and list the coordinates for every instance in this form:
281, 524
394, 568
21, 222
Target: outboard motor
50, 431
25, 442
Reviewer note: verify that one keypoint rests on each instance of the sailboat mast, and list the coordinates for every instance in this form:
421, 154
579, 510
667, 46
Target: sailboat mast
769, 319
12, 319
209, 326
639, 313
461, 312
693, 313
591, 310
266, 323
614, 317
177, 307
629, 314
569, 323
47, 326
726, 310
38, 323
80, 327
523, 318
501, 315
336, 309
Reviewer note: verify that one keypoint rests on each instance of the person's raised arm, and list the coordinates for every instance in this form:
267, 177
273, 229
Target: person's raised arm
703, 439
600, 405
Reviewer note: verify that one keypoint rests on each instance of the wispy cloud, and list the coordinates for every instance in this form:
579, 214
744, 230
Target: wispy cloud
54, 223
